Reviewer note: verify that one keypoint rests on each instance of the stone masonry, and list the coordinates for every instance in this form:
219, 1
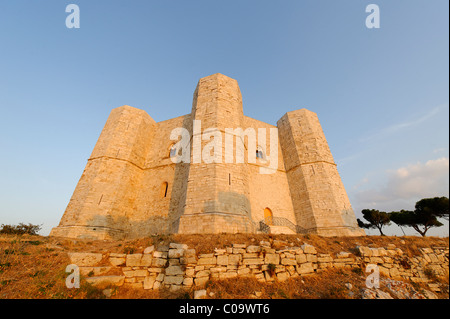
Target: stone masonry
132, 188
176, 266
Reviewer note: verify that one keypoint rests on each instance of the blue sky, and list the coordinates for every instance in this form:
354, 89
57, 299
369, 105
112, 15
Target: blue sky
381, 94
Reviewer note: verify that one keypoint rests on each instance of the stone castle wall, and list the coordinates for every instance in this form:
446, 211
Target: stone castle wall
122, 194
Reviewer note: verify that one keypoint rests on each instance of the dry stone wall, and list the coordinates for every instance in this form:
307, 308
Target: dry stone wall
178, 266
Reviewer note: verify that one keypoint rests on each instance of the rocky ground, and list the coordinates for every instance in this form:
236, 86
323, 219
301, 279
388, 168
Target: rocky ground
35, 267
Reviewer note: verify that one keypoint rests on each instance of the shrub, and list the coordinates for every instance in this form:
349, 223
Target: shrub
20, 229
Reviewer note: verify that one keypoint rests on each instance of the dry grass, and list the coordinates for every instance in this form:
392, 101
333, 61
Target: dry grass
34, 266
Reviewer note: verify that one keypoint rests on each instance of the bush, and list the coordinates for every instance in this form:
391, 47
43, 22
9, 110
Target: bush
20, 229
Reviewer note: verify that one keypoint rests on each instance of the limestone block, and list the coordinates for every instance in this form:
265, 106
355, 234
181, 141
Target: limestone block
222, 260
160, 277
104, 281
433, 258
176, 253
188, 281
175, 261
159, 262
288, 255
149, 282
282, 276
173, 280
253, 261
163, 248
155, 270
375, 252
199, 294
133, 260
149, 249
364, 251
227, 275
291, 270
146, 260
384, 271
272, 259
305, 268
178, 246
300, 259
234, 259
308, 249
160, 254
376, 260
202, 273
343, 254
269, 250
218, 269
264, 243
324, 258
268, 277
117, 261
207, 260
311, 258
85, 259
243, 271
260, 277
288, 261
394, 272
253, 249
157, 284
174, 270
239, 246
201, 281
190, 272
218, 251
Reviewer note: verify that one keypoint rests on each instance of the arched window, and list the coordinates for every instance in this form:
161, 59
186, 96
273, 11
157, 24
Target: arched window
164, 187
172, 151
259, 153
268, 216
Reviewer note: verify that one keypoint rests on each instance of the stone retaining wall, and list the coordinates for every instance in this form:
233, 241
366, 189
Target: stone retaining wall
176, 265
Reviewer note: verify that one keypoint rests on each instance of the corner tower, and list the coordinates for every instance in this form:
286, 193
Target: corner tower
104, 199
217, 193
320, 202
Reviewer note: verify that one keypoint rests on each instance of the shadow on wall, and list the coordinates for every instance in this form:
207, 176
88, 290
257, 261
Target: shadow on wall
179, 186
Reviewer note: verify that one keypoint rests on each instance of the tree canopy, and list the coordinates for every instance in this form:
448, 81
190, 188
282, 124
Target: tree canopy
375, 218
425, 214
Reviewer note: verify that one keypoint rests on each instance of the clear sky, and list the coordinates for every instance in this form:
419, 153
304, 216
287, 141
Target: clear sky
381, 94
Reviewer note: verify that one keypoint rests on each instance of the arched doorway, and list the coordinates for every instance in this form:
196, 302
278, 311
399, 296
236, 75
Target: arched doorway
268, 216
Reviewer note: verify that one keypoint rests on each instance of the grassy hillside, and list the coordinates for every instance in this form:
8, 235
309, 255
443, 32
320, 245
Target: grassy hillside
34, 266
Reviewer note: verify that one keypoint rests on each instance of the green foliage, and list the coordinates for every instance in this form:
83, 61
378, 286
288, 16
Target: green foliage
128, 250
437, 206
430, 273
375, 218
426, 212
20, 229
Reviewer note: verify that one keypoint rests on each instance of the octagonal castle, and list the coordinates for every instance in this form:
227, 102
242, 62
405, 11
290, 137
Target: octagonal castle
132, 187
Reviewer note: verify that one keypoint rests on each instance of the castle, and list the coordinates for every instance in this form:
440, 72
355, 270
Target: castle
135, 184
